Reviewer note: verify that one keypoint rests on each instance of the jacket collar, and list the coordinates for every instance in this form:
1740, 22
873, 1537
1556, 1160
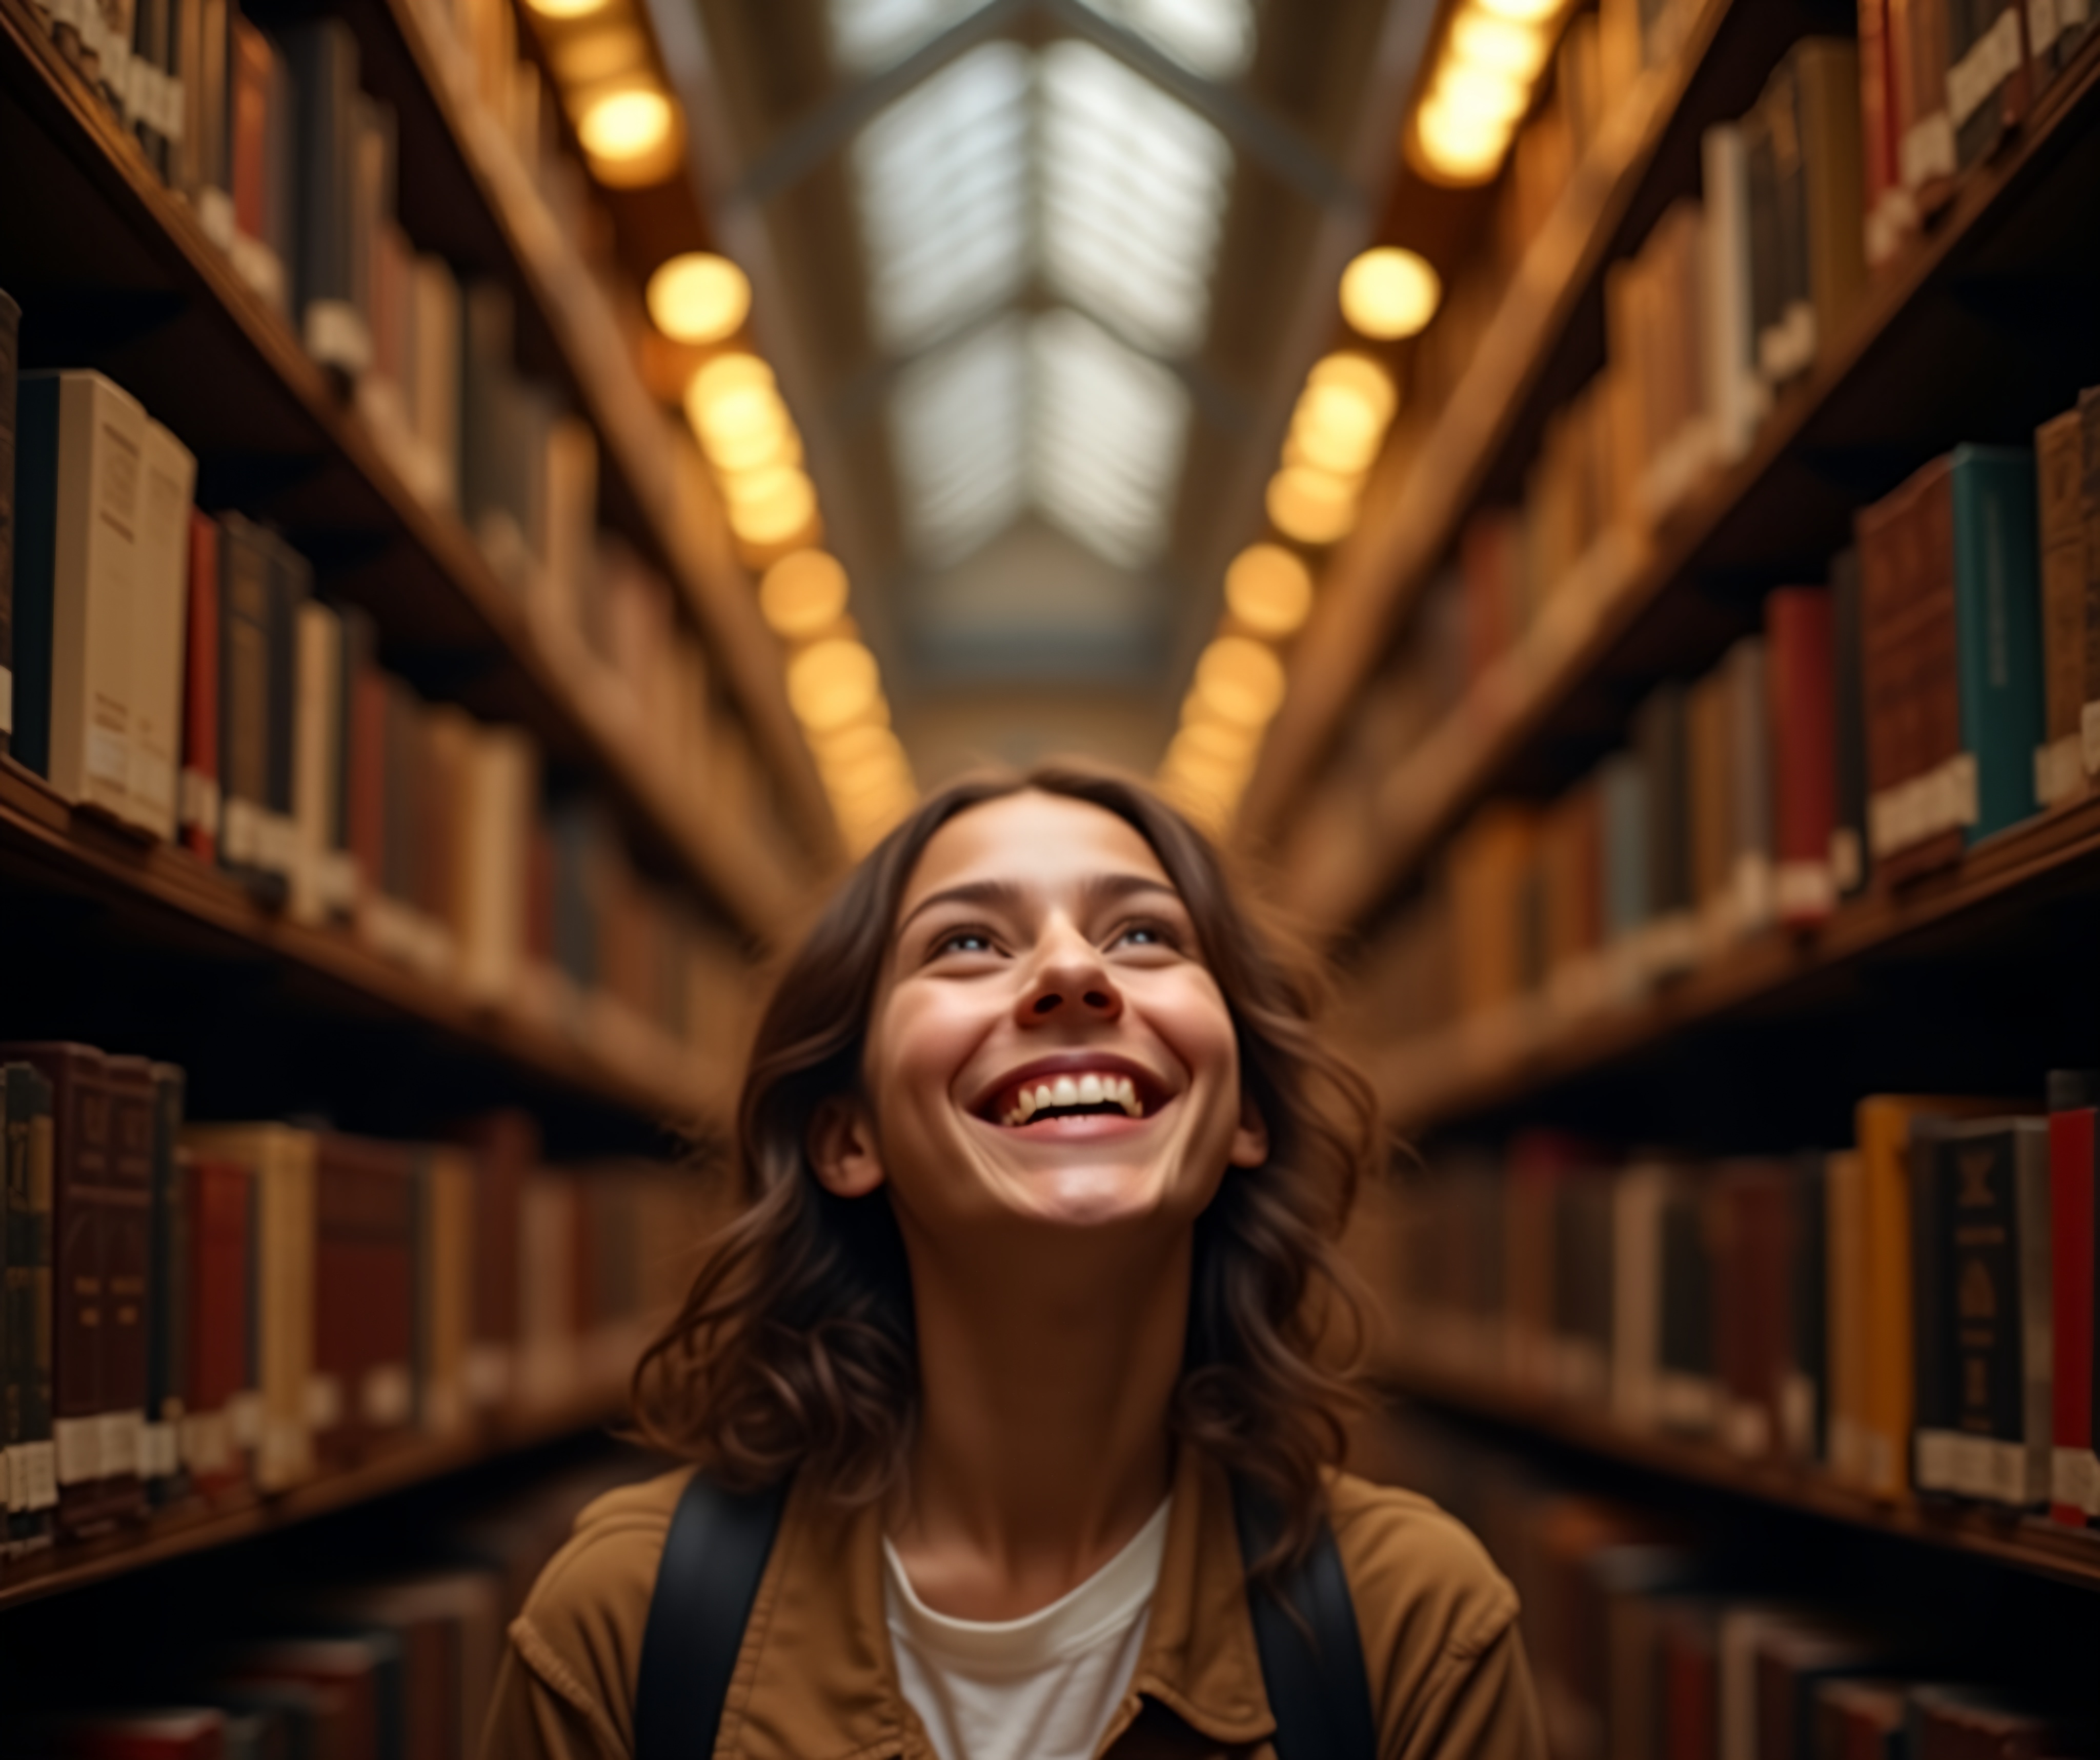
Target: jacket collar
816, 1678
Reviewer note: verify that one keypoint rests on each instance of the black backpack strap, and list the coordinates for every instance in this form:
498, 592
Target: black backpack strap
713, 1558
1311, 1665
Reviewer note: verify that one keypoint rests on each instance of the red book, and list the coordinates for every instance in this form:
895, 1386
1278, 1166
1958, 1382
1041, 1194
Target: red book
1691, 1682
344, 1673
1800, 681
198, 794
2075, 1476
506, 1148
83, 1174
249, 168
365, 1295
221, 1200
1858, 1719
1753, 1215
179, 1733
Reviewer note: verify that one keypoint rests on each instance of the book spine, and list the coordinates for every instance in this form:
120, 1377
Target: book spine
1986, 76
321, 58
1750, 783
10, 328
167, 1366
1804, 1401
220, 1199
33, 1491
2088, 508
127, 1271
245, 617
1936, 1453
291, 584
2059, 765
199, 789
1998, 618
154, 630
2075, 1469
1833, 179
1797, 641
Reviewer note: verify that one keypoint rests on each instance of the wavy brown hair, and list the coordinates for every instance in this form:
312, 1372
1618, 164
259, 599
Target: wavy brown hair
795, 1351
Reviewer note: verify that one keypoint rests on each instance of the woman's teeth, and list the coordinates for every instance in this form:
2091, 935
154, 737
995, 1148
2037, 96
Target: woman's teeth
1067, 1091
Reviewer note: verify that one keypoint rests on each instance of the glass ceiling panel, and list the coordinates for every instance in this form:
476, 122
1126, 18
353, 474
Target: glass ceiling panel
957, 427
869, 35
1213, 37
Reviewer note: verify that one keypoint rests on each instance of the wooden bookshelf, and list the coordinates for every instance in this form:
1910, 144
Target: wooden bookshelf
170, 317
166, 897
182, 1531
1475, 1067
2026, 1543
1861, 419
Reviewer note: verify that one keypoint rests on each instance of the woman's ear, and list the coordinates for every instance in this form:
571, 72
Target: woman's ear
842, 1148
1250, 1140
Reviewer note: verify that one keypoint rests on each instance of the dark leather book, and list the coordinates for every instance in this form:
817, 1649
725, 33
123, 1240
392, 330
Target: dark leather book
10, 333
128, 1275
1660, 744
198, 794
1850, 868
356, 1681
152, 33
291, 585
1859, 1719
1944, 1722
1794, 1656
32, 1494
84, 1190
1799, 664
360, 658
1805, 1389
246, 614
2059, 471
168, 1343
321, 56
2088, 512
221, 1200
365, 1295
2074, 1194
1688, 1394
506, 1148
1691, 1718
1750, 1222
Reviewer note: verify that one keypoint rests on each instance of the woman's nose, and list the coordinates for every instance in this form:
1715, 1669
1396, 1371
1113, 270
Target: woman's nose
1071, 979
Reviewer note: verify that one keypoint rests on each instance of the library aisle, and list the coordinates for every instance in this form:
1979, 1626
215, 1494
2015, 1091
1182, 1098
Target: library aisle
1593, 505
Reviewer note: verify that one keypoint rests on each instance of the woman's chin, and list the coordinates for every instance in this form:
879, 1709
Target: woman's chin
1091, 1195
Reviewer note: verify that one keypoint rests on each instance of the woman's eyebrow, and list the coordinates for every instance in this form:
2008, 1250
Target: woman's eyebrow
1007, 894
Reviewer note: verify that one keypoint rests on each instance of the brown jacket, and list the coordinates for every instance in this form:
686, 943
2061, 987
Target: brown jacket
815, 1679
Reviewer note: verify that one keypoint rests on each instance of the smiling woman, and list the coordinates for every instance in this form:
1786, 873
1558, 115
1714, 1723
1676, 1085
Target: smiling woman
1030, 1319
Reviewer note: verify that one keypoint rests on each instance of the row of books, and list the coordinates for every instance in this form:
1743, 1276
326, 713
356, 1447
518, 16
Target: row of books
356, 1666
1659, 1636
176, 673
1911, 1315
1935, 693
201, 1310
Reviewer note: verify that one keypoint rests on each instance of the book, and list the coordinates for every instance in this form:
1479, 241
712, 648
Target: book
281, 1161
361, 1393
198, 792
1833, 181
446, 1269
172, 1298
1989, 84
1750, 782
1983, 1314
247, 615
1750, 1219
1670, 935
321, 57
1859, 1719
1920, 47
257, 87
10, 333
154, 630
127, 1264
291, 587
1848, 869
316, 761
87, 1189
26, 1322
1735, 395
2059, 471
1997, 574
2074, 1155
81, 443
1889, 217
221, 1200
2088, 501
1801, 717
505, 1145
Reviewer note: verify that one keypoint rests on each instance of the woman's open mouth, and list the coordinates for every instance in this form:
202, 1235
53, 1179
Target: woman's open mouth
1036, 1097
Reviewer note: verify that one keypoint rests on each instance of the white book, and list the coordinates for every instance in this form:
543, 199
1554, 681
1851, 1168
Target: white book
317, 756
80, 448
1734, 395
159, 622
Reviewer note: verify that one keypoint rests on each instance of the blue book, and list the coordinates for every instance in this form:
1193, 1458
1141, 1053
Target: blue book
1997, 601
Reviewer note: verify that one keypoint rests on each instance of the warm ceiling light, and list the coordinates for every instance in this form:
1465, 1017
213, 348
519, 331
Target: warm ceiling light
1268, 590
1325, 450
770, 507
1389, 293
698, 297
1360, 374
565, 9
1498, 45
605, 52
757, 447
1476, 91
1459, 150
630, 124
1340, 424
1523, 11
803, 594
1217, 742
830, 683
1242, 679
1313, 506
732, 405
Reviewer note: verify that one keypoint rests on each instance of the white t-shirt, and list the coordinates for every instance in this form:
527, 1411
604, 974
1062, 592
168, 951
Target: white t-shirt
1043, 1688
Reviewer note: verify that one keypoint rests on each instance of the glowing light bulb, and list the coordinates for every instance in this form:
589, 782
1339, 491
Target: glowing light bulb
1388, 293
803, 594
769, 506
1499, 45
1268, 590
698, 297
831, 683
1310, 505
621, 126
1241, 679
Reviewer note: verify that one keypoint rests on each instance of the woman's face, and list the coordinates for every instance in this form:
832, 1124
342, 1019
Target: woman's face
1047, 1043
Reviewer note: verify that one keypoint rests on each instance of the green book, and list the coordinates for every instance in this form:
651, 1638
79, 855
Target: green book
1998, 596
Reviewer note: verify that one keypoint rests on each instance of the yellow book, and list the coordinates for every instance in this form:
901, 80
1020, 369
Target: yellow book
1880, 1375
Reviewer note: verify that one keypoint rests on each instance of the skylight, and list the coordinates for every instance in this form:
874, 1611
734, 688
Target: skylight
1213, 37
1107, 430
869, 35
956, 422
943, 181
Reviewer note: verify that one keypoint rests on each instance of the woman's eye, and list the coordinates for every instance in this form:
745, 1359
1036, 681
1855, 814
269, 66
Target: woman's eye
963, 941
1144, 935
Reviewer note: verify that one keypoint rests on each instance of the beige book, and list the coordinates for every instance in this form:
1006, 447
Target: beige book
445, 1283
499, 776
156, 626
316, 756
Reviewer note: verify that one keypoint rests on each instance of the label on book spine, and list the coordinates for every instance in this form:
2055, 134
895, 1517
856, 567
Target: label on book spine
324, 1402
206, 1447
1928, 150
78, 1442
243, 1418
388, 1396
242, 833
199, 804
487, 1375
1805, 891
1994, 60
33, 1476
2075, 1478
108, 757
2059, 770
121, 1436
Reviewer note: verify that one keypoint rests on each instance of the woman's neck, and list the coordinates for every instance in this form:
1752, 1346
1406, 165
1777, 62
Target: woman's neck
1043, 1444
